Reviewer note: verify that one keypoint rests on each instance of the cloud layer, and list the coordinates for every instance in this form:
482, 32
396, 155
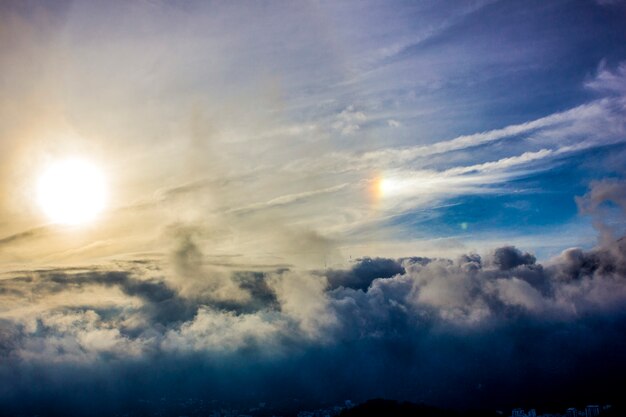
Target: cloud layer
463, 330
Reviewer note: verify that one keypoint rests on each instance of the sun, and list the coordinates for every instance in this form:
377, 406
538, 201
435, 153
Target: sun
72, 191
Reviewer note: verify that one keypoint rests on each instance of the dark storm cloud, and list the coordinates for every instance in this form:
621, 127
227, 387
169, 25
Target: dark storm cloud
509, 257
363, 272
256, 284
574, 265
151, 291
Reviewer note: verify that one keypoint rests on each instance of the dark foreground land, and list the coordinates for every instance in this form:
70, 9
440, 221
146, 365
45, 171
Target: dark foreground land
380, 407
390, 408
370, 408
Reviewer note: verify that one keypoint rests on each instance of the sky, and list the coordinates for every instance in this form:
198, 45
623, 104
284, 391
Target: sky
321, 200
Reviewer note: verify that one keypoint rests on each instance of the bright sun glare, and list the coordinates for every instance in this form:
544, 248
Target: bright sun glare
71, 191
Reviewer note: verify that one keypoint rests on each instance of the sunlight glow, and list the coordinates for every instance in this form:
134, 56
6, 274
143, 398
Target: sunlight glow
71, 192
387, 186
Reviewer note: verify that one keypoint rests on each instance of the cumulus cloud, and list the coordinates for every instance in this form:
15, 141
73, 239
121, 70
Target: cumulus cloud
445, 319
597, 203
363, 272
470, 289
223, 332
509, 257
382, 305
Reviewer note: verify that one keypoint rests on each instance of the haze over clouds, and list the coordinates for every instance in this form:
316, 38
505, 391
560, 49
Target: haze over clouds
315, 200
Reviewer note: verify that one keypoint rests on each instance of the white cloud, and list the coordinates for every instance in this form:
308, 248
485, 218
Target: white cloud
609, 80
349, 121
